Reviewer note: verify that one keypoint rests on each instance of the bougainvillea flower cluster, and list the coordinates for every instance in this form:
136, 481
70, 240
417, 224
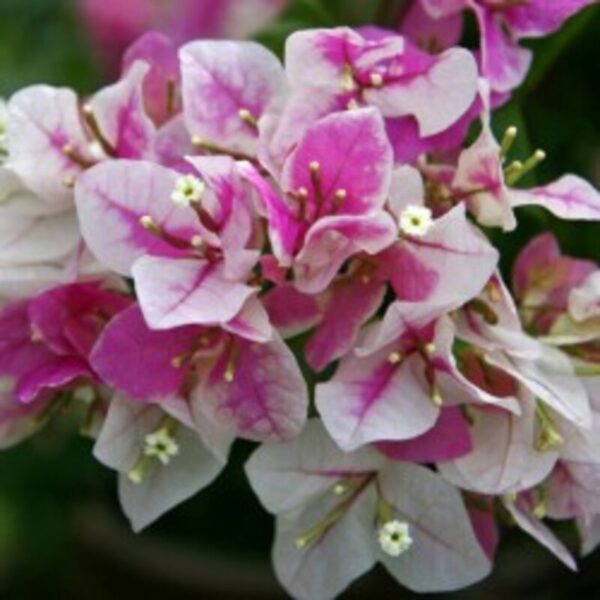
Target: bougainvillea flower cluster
220, 246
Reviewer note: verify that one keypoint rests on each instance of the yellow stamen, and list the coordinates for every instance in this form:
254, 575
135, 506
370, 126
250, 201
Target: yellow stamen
394, 358
493, 292
148, 223
197, 241
90, 119
430, 348
513, 169
510, 135
530, 164
376, 80
314, 166
69, 151
484, 310
247, 117
136, 474
436, 397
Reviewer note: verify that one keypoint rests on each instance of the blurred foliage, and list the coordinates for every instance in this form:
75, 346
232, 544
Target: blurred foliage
46, 481
557, 110
42, 41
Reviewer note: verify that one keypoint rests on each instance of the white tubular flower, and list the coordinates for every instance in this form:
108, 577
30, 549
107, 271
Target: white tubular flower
187, 189
394, 537
162, 445
416, 220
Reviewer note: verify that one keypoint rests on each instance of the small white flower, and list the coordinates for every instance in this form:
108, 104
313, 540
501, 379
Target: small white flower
416, 220
162, 445
394, 538
187, 189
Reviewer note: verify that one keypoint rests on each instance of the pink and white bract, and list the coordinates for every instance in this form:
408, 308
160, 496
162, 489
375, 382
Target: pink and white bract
164, 239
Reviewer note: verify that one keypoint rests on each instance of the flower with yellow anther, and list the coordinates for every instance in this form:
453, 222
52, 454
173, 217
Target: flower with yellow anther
188, 189
416, 220
161, 444
394, 537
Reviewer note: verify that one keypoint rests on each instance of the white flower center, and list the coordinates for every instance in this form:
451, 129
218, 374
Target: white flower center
394, 538
416, 220
187, 189
162, 445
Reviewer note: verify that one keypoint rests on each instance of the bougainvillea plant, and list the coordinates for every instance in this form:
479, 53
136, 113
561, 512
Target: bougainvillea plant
164, 239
